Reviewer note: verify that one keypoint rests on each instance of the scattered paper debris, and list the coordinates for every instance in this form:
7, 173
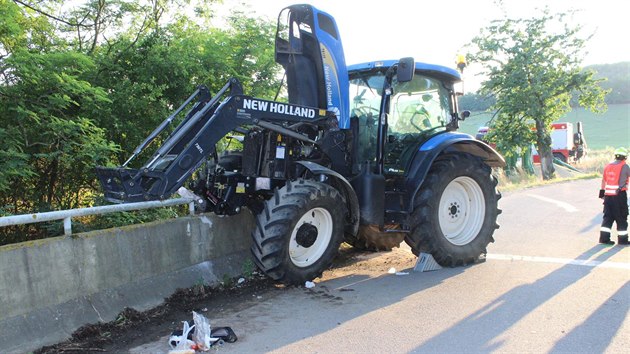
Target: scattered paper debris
309, 284
402, 273
392, 270
241, 281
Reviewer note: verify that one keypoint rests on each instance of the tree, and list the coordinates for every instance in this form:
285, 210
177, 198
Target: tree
47, 143
163, 68
52, 146
101, 76
84, 87
512, 136
533, 67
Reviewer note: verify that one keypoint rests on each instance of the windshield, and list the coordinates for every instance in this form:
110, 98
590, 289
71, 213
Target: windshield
416, 106
418, 109
419, 105
365, 92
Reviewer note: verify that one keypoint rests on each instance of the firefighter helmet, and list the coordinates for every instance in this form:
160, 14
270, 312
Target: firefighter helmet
621, 152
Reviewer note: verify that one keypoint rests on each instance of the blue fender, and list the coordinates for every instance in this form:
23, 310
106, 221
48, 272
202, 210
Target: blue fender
448, 142
344, 187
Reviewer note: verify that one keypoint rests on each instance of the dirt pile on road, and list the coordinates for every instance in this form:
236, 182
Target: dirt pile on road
132, 326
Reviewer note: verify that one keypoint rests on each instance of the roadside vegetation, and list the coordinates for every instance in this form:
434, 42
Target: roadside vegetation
590, 166
83, 84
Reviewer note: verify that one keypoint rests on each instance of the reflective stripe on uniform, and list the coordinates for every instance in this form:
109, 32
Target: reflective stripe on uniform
610, 178
611, 189
604, 229
622, 233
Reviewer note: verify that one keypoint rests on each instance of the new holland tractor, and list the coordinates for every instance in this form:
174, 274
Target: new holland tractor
366, 154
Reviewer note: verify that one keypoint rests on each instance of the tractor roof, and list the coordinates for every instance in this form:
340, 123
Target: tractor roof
439, 69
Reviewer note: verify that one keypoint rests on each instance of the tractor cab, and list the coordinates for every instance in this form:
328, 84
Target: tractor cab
415, 110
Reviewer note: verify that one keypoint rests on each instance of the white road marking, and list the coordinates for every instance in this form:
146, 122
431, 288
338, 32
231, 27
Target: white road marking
580, 262
566, 206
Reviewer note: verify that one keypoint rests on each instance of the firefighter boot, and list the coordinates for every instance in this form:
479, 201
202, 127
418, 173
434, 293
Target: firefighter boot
604, 237
622, 240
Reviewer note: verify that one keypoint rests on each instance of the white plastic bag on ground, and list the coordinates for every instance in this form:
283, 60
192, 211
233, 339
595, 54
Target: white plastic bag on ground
203, 333
182, 344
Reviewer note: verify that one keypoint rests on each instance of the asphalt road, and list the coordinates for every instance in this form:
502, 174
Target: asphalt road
546, 287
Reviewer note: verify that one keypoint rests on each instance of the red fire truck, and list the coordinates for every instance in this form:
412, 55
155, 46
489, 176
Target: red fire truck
568, 145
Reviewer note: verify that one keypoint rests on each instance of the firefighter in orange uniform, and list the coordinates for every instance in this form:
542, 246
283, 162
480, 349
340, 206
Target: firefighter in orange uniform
614, 186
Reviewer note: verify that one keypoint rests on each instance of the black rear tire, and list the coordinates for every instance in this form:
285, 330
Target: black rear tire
231, 160
455, 210
299, 231
369, 238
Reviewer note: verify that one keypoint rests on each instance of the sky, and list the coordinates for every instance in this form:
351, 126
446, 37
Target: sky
436, 31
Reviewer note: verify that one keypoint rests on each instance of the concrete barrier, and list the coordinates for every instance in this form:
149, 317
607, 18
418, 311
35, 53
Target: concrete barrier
49, 288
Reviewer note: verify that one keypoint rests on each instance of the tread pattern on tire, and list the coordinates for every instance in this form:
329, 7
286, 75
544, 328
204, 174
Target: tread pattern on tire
426, 235
275, 223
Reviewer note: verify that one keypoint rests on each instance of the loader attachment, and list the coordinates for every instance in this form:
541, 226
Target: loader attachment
194, 140
118, 184
179, 156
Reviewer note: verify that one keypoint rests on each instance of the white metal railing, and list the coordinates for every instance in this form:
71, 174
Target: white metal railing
67, 215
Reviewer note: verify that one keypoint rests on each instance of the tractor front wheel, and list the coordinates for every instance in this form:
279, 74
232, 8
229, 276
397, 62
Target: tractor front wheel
299, 231
455, 210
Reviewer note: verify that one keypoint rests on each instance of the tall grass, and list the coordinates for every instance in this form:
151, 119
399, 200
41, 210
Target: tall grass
591, 166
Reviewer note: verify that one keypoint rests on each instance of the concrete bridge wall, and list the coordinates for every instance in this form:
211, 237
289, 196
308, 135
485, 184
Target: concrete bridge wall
49, 288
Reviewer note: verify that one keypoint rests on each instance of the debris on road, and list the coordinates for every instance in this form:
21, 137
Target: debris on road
199, 336
309, 284
180, 344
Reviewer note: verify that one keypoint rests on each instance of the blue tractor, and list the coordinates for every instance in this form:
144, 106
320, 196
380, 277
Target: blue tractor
366, 154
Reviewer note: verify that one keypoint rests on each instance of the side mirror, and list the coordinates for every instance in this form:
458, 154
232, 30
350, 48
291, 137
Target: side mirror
406, 69
465, 114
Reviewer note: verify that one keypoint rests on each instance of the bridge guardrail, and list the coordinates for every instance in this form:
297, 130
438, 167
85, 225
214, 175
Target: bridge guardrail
67, 215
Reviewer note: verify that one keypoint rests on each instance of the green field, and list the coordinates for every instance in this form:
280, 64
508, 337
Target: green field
611, 129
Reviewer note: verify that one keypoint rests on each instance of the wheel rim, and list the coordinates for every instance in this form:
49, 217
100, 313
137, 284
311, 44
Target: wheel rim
462, 209
310, 237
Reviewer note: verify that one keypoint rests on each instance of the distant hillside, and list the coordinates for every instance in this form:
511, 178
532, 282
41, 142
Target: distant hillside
617, 78
475, 102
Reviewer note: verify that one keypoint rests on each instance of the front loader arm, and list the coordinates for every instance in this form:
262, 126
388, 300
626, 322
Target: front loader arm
195, 140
